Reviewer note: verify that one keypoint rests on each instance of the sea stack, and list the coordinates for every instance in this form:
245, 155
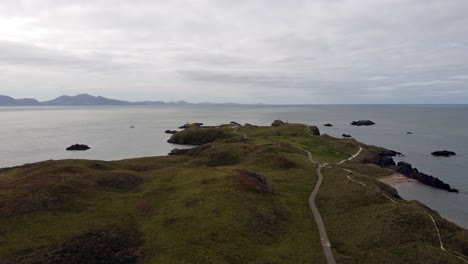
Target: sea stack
78, 147
362, 123
443, 153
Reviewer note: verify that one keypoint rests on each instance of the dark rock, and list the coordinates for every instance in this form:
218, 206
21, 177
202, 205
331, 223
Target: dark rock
277, 123
409, 133
80, 147
443, 153
386, 161
346, 136
407, 170
362, 123
177, 151
328, 125
390, 153
170, 131
235, 123
383, 158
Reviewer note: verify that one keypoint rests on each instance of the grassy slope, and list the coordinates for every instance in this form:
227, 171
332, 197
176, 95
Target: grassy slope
194, 209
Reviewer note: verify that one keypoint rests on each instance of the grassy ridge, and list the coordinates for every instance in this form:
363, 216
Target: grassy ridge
231, 200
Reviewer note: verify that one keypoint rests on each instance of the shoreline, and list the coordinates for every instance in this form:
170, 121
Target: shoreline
395, 179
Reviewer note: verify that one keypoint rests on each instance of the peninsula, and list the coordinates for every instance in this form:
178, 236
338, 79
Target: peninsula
245, 194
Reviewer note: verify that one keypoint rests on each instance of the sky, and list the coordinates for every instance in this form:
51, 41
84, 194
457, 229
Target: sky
243, 51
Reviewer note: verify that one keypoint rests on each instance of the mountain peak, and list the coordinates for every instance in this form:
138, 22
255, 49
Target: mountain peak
83, 99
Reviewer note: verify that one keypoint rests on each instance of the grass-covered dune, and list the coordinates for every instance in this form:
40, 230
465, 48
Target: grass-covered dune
239, 197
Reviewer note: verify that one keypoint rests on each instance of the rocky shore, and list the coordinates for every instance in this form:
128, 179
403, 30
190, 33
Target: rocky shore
384, 158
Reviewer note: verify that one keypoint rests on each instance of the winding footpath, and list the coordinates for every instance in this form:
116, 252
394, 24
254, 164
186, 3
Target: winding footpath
430, 216
326, 245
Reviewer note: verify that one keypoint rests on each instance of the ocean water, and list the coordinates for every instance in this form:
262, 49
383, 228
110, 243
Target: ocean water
30, 134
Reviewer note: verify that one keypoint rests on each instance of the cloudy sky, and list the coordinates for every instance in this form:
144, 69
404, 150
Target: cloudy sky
245, 51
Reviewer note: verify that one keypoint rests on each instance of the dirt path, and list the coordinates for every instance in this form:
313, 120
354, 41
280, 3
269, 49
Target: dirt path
352, 157
235, 131
326, 245
430, 216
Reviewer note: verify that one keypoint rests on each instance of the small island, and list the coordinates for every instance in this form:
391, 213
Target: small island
362, 123
78, 147
443, 153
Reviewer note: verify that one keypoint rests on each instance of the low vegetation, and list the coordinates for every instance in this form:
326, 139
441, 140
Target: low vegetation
239, 197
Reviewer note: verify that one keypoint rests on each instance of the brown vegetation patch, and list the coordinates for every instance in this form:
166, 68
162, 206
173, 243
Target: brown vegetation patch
269, 226
123, 182
99, 166
40, 193
273, 158
143, 206
252, 181
219, 155
105, 245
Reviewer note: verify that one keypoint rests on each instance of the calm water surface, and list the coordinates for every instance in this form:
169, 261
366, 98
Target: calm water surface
31, 134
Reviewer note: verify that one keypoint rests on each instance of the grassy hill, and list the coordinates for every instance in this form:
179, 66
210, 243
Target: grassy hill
239, 198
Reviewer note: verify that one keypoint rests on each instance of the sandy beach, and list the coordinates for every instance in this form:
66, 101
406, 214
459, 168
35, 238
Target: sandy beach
396, 179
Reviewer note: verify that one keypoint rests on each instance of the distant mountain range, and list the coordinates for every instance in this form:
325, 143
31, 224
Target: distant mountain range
79, 100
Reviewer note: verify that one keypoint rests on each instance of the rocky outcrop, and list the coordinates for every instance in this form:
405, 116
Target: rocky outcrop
328, 125
170, 131
197, 136
277, 123
407, 170
191, 125
383, 158
346, 136
313, 130
177, 151
79, 147
443, 153
362, 123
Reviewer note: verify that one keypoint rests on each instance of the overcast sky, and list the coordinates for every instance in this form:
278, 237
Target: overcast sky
245, 51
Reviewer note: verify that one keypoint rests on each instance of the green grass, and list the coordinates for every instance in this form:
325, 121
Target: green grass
203, 207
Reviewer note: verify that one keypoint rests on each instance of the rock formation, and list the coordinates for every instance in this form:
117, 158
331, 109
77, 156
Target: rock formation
277, 123
177, 151
80, 147
191, 125
407, 170
383, 158
443, 153
362, 123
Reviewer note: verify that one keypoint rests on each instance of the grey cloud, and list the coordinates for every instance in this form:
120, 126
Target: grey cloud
361, 51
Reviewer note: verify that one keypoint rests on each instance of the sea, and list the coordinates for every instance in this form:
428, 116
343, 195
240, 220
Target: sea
31, 134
